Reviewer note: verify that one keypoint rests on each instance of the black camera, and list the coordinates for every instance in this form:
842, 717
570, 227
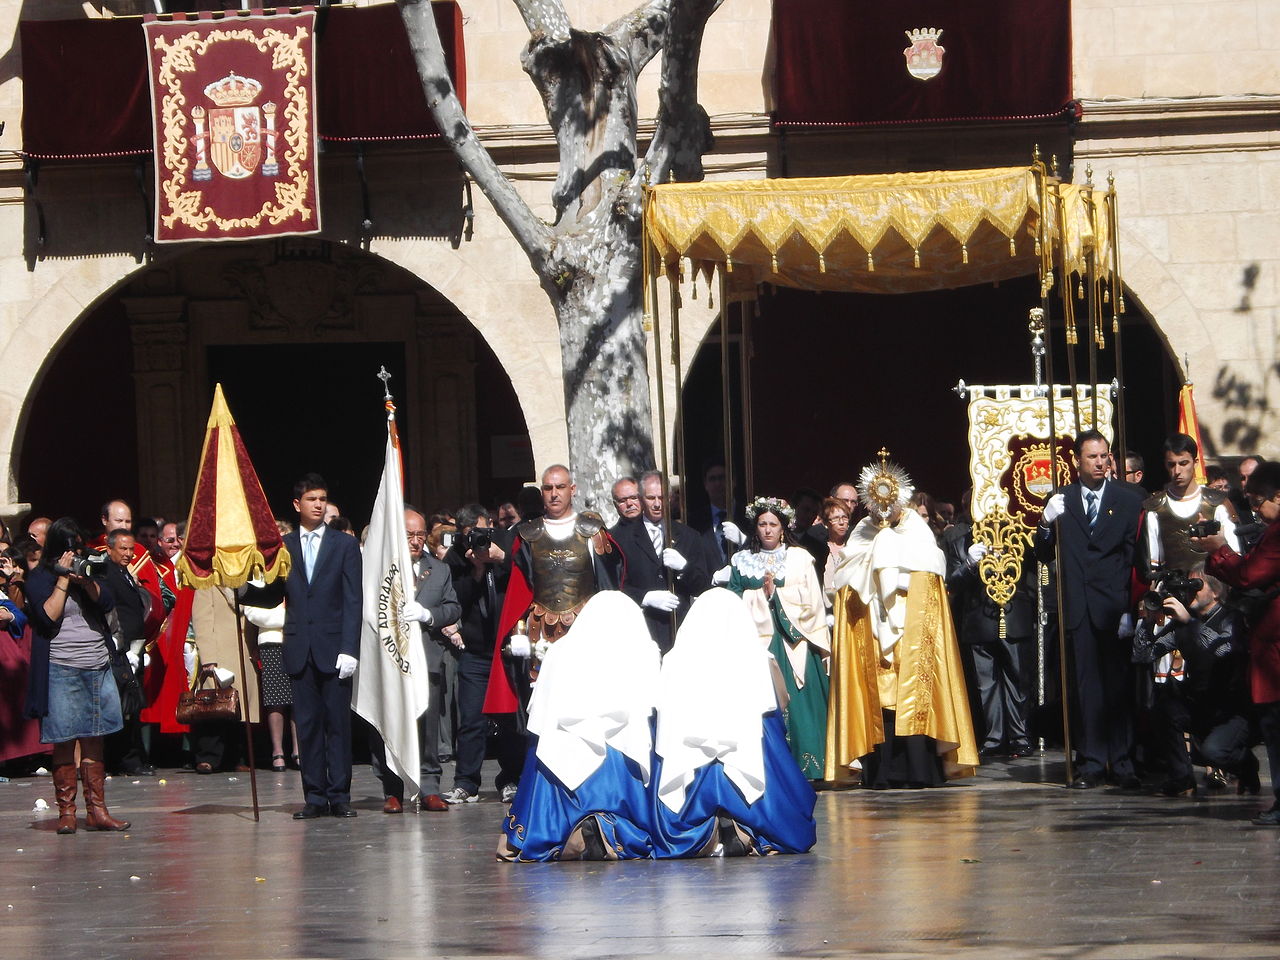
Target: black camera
1204, 528
1174, 584
92, 567
477, 539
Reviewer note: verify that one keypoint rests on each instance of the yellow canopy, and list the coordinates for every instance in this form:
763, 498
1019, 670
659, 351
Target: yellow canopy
887, 233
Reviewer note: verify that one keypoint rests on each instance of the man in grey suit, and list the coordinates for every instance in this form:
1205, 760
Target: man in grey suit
434, 605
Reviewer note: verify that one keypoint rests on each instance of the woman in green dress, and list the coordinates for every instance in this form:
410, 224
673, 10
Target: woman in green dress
778, 582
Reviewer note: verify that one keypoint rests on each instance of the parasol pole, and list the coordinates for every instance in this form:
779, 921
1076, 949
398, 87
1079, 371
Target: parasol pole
1046, 283
1091, 300
1117, 308
248, 727
663, 460
678, 453
744, 389
726, 417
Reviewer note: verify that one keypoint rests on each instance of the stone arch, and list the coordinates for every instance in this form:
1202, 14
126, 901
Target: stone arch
60, 294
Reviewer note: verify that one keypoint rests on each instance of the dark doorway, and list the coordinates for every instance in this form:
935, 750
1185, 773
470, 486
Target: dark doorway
313, 408
835, 376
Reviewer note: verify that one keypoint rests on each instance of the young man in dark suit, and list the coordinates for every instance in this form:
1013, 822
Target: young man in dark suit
323, 613
650, 553
1096, 522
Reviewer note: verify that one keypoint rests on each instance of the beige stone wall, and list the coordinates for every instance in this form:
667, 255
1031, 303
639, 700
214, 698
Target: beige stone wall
1197, 180
1175, 48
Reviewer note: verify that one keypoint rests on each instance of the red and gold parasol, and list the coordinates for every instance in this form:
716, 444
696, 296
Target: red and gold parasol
231, 534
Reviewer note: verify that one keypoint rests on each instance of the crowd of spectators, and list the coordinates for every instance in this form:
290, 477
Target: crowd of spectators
1189, 663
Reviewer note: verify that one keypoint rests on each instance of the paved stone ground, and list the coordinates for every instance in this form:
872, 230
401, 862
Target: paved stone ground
1008, 864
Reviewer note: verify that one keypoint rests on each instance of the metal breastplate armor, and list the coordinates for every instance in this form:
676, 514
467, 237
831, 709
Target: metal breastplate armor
1179, 554
564, 575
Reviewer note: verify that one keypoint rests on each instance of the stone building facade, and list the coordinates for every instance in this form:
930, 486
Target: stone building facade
1180, 100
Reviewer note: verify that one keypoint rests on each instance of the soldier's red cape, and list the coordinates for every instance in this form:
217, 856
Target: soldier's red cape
500, 697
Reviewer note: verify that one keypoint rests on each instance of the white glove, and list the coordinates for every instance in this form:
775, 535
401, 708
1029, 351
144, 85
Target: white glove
413, 610
345, 666
133, 659
831, 620
1126, 627
660, 600
223, 676
1055, 508
721, 576
189, 657
672, 560
977, 552
904, 581
729, 530
520, 646
146, 660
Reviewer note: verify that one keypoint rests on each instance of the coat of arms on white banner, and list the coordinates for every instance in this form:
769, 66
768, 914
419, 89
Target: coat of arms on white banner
924, 56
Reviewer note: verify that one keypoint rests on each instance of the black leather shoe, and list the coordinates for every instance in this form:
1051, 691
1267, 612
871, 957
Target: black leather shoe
1084, 782
344, 810
1019, 750
1269, 819
1130, 782
310, 811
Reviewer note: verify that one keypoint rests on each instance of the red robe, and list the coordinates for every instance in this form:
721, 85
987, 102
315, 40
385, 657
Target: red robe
166, 676
1258, 570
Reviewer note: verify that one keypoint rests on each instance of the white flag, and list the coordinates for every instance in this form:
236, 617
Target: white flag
391, 688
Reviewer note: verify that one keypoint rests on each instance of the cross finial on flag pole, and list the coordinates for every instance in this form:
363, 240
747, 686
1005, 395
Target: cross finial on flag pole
386, 382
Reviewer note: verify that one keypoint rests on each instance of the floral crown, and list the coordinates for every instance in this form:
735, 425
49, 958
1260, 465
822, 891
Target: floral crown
771, 505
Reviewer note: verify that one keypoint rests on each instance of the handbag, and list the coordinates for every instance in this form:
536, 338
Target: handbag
201, 705
132, 700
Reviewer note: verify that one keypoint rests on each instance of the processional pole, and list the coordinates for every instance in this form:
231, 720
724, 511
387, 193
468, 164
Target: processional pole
1117, 310
651, 286
1046, 283
726, 412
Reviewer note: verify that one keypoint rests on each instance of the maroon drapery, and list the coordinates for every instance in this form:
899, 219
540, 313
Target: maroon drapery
85, 82
841, 62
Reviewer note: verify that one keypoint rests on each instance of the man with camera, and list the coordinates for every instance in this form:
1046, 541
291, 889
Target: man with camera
1198, 651
478, 563
1259, 571
1182, 510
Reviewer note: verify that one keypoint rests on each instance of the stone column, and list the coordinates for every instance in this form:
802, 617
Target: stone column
444, 454
159, 331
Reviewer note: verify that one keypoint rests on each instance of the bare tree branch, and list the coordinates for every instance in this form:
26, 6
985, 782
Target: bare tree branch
642, 32
683, 132
546, 17
530, 232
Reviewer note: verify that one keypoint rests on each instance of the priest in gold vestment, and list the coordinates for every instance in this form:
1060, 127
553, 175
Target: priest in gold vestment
898, 706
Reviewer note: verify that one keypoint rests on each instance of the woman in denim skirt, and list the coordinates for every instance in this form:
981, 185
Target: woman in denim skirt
71, 689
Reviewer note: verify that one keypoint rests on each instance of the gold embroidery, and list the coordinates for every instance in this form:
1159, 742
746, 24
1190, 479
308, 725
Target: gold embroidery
187, 206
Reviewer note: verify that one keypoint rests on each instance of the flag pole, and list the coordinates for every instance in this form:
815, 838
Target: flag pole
248, 727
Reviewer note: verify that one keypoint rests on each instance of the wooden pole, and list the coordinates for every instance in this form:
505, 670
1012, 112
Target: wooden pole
744, 390
248, 727
726, 417
1053, 462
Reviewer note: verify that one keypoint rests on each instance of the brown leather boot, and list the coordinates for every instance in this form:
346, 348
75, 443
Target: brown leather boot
96, 815
64, 788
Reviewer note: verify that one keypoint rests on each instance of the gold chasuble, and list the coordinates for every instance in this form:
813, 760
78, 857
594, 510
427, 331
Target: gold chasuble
920, 678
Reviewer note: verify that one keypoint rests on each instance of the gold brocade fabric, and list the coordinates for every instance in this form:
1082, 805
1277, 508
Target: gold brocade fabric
888, 233
930, 693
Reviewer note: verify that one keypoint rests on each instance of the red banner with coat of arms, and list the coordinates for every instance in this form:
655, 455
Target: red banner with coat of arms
234, 120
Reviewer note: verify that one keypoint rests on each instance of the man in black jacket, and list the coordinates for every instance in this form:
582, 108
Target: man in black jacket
1001, 667
1096, 522
480, 568
665, 569
126, 751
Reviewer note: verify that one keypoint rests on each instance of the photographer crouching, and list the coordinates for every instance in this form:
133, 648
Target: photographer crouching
1259, 570
1198, 651
71, 688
